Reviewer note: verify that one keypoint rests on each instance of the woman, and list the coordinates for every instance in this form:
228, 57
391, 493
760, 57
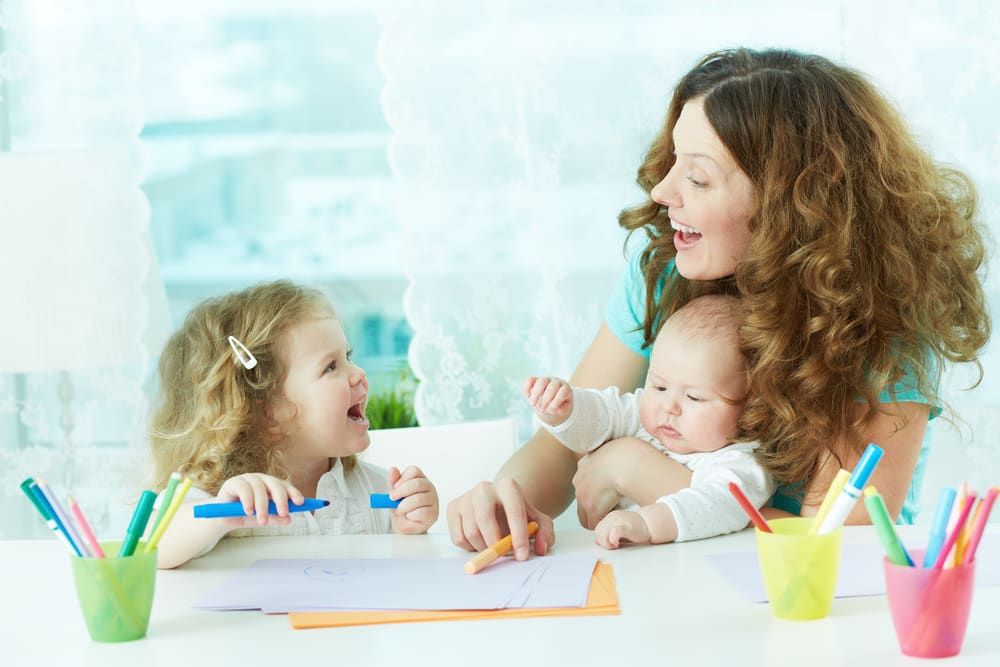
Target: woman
789, 181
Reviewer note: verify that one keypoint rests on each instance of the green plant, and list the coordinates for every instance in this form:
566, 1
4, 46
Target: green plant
393, 407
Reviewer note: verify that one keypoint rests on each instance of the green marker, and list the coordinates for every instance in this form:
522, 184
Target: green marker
894, 549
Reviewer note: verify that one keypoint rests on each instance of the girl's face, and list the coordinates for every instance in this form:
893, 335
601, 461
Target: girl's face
709, 199
322, 406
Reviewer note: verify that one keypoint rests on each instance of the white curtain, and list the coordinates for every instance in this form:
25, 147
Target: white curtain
518, 127
79, 278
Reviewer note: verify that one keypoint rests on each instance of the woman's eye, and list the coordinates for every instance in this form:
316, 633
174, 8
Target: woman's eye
695, 182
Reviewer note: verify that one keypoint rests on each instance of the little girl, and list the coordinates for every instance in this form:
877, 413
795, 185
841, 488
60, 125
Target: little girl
259, 401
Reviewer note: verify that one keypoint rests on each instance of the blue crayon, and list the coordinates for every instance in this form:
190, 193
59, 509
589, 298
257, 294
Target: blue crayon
383, 501
219, 510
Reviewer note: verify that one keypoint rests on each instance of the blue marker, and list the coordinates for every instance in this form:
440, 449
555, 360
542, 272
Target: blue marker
383, 501
219, 510
939, 529
852, 490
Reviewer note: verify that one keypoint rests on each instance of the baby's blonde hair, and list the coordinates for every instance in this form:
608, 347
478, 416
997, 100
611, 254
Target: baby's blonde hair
210, 420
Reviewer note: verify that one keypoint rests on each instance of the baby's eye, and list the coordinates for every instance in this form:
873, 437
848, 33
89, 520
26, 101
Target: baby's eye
660, 388
332, 366
696, 399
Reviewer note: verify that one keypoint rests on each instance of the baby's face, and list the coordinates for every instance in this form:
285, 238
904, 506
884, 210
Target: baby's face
684, 405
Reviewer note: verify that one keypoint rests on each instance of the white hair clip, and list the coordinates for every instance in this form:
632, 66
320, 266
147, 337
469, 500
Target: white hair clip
242, 353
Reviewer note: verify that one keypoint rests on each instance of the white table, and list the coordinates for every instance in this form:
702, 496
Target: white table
676, 610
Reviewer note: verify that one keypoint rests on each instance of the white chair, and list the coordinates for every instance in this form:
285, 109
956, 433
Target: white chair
453, 456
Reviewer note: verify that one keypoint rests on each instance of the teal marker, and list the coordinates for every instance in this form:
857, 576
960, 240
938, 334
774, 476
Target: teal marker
137, 526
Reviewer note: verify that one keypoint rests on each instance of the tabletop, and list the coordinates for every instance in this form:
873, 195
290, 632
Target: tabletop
676, 608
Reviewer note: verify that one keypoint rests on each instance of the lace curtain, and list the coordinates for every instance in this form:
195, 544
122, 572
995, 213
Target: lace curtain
517, 132
78, 268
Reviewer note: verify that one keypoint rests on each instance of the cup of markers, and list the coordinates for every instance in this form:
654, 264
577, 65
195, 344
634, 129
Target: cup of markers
930, 591
114, 580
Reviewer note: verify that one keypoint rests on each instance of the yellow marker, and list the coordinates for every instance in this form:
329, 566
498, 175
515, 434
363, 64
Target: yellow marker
831, 495
490, 554
178, 498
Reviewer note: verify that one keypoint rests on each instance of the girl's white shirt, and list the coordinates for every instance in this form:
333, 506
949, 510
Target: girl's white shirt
347, 514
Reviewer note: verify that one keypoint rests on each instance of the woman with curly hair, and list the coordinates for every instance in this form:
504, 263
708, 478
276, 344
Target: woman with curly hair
259, 401
790, 182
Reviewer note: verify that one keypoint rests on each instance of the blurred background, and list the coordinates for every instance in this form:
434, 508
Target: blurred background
449, 172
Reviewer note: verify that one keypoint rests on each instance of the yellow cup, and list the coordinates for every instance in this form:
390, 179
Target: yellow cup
116, 594
799, 570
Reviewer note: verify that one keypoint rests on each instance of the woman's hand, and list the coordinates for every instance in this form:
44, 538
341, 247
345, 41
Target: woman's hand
419, 509
489, 511
254, 490
624, 468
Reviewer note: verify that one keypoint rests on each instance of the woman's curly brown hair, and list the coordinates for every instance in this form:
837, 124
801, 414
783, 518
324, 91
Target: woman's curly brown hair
864, 258
210, 421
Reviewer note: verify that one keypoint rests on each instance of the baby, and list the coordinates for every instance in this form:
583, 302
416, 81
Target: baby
689, 410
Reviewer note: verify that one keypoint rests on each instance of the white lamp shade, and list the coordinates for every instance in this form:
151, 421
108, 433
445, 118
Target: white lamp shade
79, 283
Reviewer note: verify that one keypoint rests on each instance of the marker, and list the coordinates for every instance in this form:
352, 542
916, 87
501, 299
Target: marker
852, 490
939, 527
894, 549
168, 495
953, 535
175, 502
982, 514
137, 526
831, 494
956, 509
755, 516
62, 520
88, 534
487, 556
30, 488
218, 510
382, 501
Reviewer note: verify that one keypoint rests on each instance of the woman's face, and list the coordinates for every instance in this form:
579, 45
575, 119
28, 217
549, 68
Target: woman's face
709, 199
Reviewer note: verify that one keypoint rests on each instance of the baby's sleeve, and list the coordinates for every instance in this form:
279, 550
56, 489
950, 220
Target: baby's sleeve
707, 508
597, 417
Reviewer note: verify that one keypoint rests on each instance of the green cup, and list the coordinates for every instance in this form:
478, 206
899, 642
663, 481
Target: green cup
799, 570
116, 594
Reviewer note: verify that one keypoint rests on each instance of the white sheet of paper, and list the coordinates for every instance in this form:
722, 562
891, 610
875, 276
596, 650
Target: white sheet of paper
284, 585
860, 569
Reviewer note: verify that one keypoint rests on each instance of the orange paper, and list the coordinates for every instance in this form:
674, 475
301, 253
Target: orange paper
602, 600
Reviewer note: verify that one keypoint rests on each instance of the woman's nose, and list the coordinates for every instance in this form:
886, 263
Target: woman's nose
665, 193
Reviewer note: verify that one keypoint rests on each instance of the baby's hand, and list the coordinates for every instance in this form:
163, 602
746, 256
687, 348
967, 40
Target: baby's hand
551, 398
621, 526
419, 509
254, 490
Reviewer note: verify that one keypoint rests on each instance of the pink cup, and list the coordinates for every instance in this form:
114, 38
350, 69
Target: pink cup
930, 608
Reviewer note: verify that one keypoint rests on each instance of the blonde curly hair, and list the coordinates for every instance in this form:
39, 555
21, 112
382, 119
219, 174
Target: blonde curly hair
210, 420
864, 258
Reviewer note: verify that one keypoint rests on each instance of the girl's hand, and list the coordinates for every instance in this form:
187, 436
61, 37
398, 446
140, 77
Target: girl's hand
551, 398
419, 509
254, 490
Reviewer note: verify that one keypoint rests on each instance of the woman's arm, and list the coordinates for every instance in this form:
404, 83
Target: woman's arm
536, 482
900, 434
